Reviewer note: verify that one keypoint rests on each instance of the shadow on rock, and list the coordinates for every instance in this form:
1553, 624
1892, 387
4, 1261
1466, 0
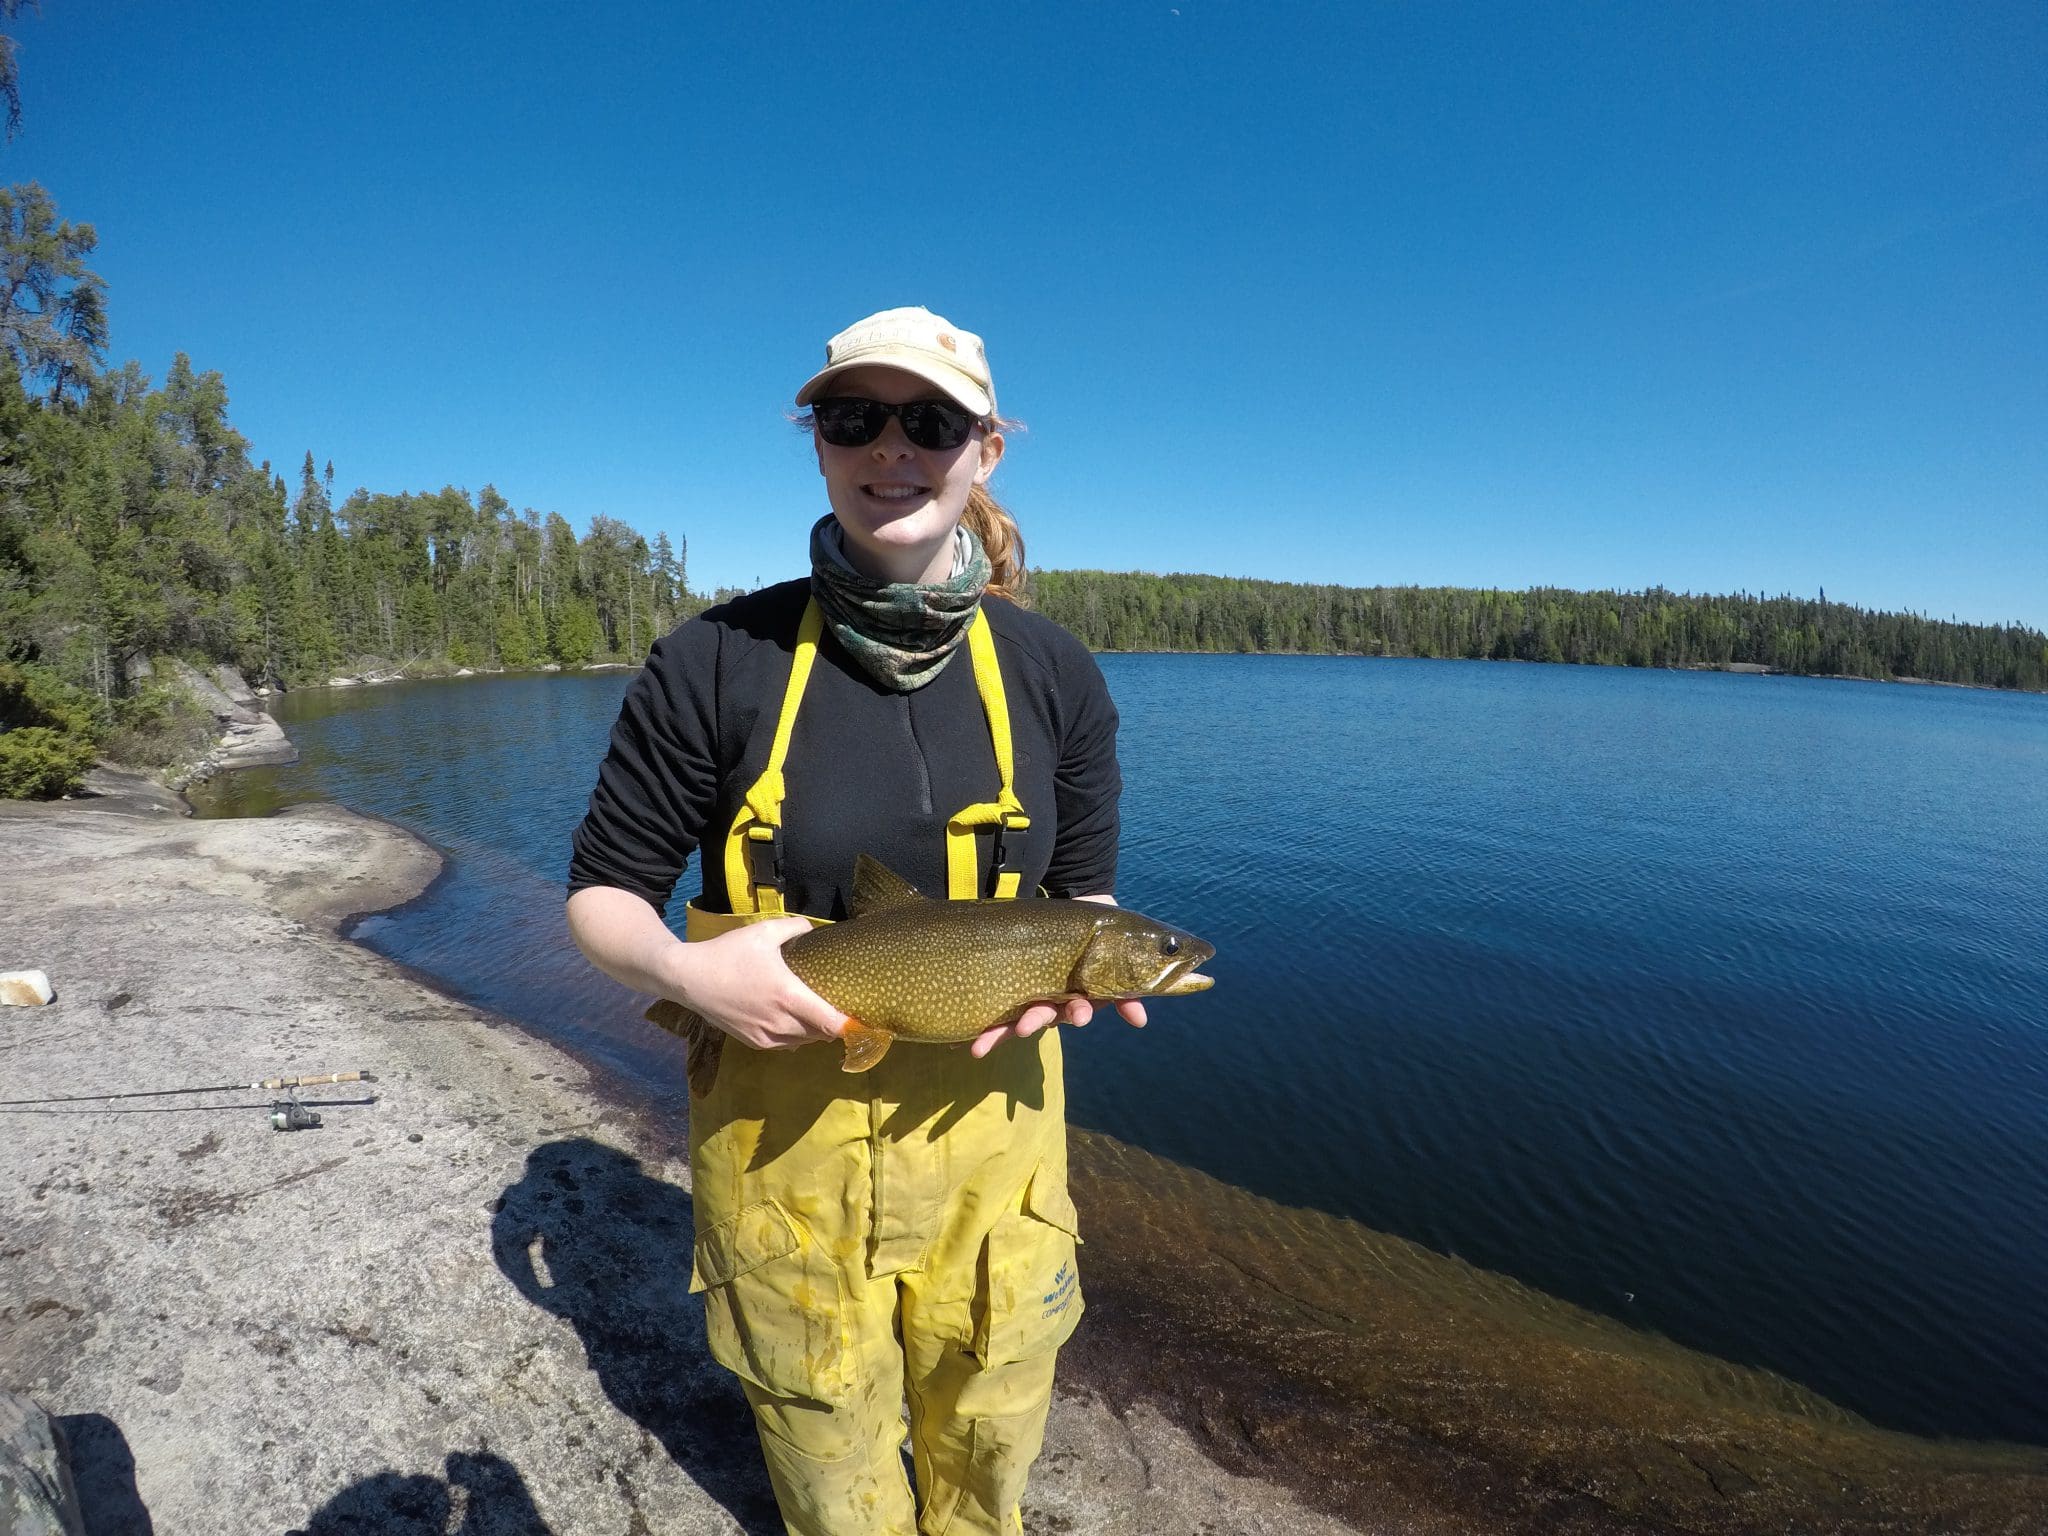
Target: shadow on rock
488, 1489
103, 1472
587, 1235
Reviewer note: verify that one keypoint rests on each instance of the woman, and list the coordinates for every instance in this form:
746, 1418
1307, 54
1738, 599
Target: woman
905, 1232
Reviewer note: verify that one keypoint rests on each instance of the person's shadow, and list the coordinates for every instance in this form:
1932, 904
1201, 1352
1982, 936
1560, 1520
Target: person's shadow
103, 1475
587, 1235
493, 1499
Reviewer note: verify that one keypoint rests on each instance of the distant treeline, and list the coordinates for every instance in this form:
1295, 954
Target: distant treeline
1115, 611
132, 523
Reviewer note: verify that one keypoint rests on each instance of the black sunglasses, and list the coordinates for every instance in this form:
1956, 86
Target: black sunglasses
849, 421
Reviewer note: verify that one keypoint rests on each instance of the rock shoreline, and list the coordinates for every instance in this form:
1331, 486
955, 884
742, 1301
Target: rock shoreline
245, 735
462, 1299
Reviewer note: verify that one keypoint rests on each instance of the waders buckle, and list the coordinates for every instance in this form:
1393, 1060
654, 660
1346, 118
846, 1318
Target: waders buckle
764, 840
999, 852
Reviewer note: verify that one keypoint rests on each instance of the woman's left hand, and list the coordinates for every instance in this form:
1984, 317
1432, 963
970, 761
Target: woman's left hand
1078, 1010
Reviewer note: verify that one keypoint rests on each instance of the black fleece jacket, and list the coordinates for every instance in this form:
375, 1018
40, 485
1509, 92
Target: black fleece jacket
869, 770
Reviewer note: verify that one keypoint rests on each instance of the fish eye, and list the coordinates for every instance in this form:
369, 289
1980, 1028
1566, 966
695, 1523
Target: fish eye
1169, 945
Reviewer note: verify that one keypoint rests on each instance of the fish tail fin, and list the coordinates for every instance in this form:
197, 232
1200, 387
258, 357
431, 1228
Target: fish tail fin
705, 1040
865, 1045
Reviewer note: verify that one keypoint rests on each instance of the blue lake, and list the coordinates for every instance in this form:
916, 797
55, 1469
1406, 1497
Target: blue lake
1718, 1004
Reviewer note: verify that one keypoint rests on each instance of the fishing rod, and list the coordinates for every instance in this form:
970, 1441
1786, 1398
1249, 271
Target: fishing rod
158, 1093
286, 1114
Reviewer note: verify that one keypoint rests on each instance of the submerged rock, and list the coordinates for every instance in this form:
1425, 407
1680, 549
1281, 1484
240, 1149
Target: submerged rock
1409, 1390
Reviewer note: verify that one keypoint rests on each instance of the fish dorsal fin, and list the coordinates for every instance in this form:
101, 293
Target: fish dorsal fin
877, 887
864, 1046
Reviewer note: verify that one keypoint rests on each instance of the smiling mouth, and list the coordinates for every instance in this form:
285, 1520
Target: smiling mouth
896, 492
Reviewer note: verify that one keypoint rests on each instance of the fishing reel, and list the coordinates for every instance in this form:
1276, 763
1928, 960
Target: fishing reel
290, 1115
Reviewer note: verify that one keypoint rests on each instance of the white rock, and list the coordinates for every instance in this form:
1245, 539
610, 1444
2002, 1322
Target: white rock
25, 989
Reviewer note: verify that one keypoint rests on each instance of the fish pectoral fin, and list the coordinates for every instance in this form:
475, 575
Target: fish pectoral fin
876, 887
671, 1016
864, 1045
706, 1042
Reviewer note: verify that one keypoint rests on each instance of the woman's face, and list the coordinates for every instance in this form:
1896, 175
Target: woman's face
898, 504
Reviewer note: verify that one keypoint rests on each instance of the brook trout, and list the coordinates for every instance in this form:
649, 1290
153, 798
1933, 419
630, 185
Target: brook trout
904, 967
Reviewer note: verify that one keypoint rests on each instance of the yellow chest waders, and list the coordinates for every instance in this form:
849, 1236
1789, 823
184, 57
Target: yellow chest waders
859, 1242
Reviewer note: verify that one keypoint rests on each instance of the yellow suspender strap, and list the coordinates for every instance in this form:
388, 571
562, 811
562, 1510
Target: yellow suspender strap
753, 848
1005, 813
699, 924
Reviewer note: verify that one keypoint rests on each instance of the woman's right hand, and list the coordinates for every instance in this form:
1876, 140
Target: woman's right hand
740, 982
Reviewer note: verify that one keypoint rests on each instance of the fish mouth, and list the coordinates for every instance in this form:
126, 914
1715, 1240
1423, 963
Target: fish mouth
1181, 978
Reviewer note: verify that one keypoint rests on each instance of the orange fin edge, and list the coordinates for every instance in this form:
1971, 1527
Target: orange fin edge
865, 1045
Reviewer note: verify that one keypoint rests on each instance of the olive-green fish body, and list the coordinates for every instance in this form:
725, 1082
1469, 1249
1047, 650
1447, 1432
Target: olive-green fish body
905, 967
939, 971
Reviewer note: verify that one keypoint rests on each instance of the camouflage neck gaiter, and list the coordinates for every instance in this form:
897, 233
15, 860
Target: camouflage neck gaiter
901, 632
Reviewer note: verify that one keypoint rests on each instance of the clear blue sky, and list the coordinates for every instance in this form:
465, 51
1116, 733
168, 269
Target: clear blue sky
1714, 296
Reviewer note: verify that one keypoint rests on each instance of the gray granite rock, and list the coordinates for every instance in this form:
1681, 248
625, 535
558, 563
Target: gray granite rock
36, 1494
234, 685
248, 735
209, 693
107, 786
244, 745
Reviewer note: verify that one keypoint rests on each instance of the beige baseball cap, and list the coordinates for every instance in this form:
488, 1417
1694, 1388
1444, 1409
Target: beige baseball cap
919, 342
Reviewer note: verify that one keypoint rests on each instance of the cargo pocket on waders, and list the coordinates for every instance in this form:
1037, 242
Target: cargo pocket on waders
1030, 1295
1028, 1299
772, 1309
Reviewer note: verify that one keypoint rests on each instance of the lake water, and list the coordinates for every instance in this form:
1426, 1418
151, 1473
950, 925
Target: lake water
1718, 1004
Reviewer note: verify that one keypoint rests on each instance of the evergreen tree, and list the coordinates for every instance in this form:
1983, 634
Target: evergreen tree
53, 317
10, 64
